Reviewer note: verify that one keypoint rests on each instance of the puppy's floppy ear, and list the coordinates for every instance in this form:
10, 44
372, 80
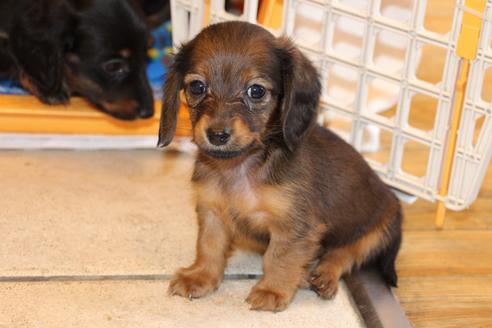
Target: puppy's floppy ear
38, 41
170, 102
301, 92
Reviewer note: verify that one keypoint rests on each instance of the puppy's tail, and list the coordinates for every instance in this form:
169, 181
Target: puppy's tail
385, 261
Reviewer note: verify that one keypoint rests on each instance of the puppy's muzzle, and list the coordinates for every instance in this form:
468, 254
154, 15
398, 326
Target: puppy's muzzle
219, 137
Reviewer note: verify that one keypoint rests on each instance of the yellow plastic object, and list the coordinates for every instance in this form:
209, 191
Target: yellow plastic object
270, 13
467, 46
153, 53
207, 12
25, 114
451, 146
470, 29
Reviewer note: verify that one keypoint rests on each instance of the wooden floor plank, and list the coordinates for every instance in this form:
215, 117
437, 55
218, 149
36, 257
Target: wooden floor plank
446, 276
446, 253
452, 301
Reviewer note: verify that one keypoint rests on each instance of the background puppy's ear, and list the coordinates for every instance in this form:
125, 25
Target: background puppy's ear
301, 92
170, 102
38, 41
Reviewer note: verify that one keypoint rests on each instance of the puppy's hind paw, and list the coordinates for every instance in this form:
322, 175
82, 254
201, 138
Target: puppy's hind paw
324, 284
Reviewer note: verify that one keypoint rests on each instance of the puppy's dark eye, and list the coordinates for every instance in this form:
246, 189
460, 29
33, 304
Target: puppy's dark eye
197, 87
256, 91
116, 67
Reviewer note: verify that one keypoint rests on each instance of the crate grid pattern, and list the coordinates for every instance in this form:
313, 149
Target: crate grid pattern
325, 58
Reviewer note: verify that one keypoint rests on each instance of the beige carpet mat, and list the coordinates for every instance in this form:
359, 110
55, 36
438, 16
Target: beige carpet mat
95, 226
145, 304
99, 213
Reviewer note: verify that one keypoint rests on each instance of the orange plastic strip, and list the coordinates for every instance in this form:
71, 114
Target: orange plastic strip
25, 114
270, 13
453, 136
466, 48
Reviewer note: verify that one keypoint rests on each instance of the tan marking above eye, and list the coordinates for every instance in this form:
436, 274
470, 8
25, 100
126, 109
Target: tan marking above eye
73, 58
125, 53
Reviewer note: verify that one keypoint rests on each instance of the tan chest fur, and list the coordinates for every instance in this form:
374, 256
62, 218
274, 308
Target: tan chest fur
238, 192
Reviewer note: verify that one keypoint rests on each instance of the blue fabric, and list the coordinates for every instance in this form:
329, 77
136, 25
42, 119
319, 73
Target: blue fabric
11, 88
160, 55
156, 68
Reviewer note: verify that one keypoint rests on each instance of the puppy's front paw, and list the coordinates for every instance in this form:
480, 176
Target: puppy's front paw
193, 283
265, 299
62, 96
324, 284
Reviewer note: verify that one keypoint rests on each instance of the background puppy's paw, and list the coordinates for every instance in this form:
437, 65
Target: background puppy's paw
61, 98
60, 95
267, 300
324, 284
193, 284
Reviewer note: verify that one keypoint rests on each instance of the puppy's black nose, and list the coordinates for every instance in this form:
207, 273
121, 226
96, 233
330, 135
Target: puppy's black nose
218, 138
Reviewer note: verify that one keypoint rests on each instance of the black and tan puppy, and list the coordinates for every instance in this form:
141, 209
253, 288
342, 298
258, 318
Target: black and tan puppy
267, 177
93, 48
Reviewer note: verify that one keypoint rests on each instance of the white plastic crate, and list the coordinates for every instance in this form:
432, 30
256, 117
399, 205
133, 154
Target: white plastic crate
379, 77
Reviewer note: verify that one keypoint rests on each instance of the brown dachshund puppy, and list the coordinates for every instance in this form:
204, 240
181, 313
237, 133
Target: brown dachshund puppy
267, 177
